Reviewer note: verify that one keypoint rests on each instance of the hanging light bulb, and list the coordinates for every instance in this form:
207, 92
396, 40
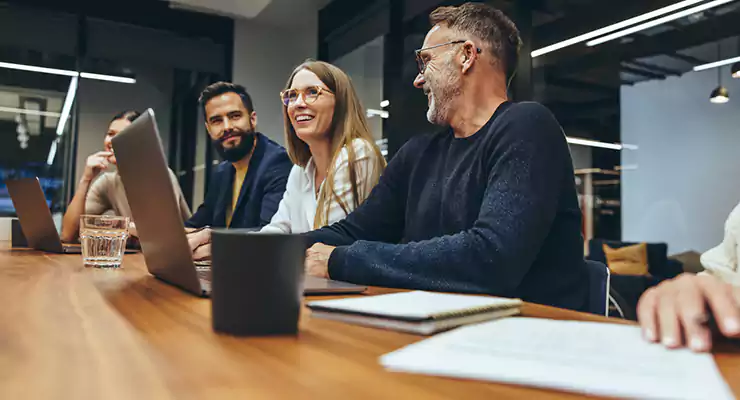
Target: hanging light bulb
735, 70
719, 95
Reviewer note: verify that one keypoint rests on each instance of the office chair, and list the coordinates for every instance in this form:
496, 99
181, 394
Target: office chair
598, 295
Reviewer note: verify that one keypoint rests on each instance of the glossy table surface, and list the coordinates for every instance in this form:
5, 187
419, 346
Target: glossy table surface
67, 331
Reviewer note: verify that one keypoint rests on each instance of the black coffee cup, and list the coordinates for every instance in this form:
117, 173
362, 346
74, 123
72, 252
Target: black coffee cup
257, 282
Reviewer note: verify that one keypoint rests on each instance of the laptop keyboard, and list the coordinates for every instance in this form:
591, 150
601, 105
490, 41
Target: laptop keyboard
203, 268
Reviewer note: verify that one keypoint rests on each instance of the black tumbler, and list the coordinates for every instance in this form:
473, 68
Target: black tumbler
257, 282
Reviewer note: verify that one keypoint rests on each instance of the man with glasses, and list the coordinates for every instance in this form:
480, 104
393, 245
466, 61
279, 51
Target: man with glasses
246, 188
488, 205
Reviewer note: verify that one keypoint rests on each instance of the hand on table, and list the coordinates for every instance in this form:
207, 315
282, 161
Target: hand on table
675, 312
200, 243
317, 260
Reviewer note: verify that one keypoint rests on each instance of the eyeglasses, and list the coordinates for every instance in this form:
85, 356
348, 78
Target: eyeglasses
423, 64
310, 94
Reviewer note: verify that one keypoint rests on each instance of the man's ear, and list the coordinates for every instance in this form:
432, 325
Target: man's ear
470, 55
253, 119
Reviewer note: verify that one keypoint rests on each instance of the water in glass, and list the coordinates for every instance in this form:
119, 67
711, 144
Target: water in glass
103, 240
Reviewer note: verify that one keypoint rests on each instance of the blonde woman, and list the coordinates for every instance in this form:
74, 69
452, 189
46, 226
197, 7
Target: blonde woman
337, 162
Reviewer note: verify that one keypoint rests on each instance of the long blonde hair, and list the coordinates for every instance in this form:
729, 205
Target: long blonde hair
348, 123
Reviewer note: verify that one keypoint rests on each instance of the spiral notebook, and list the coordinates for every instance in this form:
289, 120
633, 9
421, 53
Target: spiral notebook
416, 312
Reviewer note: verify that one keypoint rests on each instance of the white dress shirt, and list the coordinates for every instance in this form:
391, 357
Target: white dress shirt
722, 261
297, 209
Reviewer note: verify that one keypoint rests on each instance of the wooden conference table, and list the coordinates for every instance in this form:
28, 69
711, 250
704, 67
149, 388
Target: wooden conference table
72, 332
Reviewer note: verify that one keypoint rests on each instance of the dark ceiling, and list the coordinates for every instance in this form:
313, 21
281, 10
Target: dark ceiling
581, 84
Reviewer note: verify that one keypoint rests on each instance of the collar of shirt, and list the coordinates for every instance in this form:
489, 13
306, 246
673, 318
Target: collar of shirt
310, 172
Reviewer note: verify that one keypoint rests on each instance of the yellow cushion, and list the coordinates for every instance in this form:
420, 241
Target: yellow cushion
629, 260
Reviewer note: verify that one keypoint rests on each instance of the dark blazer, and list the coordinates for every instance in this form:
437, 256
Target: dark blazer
261, 191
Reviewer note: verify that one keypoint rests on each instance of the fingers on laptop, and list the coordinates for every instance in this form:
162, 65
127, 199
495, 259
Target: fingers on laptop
202, 253
199, 238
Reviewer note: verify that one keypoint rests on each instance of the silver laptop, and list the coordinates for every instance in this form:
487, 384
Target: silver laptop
35, 217
143, 171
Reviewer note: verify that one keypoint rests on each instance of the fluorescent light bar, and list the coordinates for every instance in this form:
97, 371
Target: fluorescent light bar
109, 78
659, 21
65, 72
716, 64
373, 112
594, 143
614, 27
52, 152
26, 111
67, 108
43, 70
385, 103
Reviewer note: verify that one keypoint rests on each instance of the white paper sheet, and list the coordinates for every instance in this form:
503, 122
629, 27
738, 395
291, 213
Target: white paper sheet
587, 357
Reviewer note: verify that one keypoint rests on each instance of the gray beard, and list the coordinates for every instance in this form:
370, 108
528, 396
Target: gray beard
439, 107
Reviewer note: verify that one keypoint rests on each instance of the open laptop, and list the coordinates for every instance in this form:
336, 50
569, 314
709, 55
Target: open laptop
153, 202
35, 217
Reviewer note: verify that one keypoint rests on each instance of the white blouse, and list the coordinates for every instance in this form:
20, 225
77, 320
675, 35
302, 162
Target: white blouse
722, 261
297, 209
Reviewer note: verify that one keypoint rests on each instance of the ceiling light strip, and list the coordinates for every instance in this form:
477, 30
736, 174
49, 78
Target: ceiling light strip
659, 21
52, 152
65, 72
717, 64
32, 68
14, 110
594, 143
109, 78
67, 108
614, 27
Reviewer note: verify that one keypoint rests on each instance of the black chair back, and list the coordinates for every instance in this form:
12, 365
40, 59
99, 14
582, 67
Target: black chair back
598, 294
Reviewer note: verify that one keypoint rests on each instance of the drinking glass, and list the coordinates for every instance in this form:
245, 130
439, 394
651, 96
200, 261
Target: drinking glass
103, 240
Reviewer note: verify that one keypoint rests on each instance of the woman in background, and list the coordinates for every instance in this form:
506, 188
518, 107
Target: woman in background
105, 195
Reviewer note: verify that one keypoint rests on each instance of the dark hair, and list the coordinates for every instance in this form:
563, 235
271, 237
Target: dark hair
129, 115
487, 23
219, 88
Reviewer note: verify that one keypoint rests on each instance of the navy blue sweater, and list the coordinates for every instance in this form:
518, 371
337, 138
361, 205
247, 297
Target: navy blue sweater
495, 213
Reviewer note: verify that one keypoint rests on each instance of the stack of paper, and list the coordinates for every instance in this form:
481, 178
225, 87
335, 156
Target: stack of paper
592, 358
416, 312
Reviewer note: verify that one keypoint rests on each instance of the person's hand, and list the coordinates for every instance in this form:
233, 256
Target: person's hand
317, 260
675, 312
95, 164
200, 243
132, 232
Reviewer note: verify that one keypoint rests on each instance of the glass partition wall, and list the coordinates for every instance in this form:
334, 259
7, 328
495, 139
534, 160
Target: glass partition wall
62, 82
